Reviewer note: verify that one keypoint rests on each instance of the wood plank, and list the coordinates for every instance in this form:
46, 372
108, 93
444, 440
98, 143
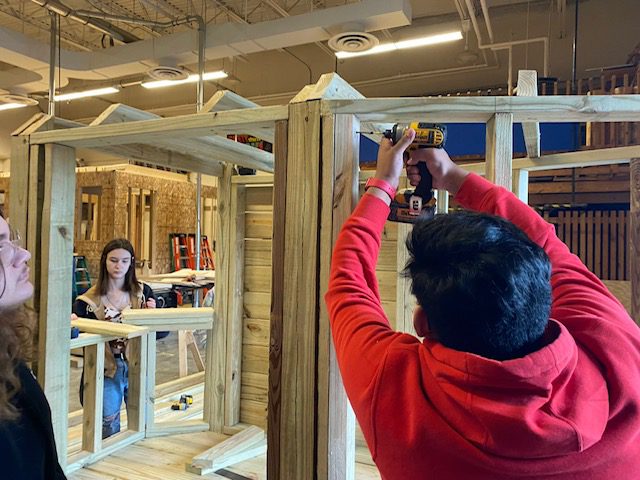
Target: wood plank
520, 184
605, 156
624, 247
405, 301
108, 328
258, 279
241, 446
499, 151
216, 350
149, 131
257, 252
92, 401
172, 319
137, 397
55, 285
477, 109
36, 199
151, 389
339, 189
19, 185
276, 304
235, 309
255, 332
528, 87
634, 240
598, 244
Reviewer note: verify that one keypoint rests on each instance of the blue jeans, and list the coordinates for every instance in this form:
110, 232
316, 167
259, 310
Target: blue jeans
115, 390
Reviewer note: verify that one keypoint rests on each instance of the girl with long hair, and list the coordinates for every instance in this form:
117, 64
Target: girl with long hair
27, 445
117, 289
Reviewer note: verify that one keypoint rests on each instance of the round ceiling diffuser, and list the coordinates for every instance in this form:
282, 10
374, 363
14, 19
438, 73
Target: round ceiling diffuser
164, 72
17, 98
353, 42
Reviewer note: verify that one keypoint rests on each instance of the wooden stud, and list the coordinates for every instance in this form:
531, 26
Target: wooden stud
442, 201
520, 182
235, 304
92, 401
55, 286
405, 301
336, 420
297, 250
274, 410
634, 240
151, 389
216, 351
19, 184
137, 403
528, 87
499, 150
182, 353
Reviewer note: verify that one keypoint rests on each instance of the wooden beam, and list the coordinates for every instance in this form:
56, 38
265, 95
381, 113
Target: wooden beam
563, 108
499, 151
235, 304
19, 184
211, 149
150, 131
92, 401
216, 349
170, 318
108, 328
442, 201
339, 192
405, 302
274, 408
224, 100
247, 444
55, 285
297, 249
528, 87
584, 158
520, 184
331, 86
634, 240
137, 396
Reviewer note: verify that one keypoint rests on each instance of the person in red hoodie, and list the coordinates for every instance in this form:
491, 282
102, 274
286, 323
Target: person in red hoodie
529, 367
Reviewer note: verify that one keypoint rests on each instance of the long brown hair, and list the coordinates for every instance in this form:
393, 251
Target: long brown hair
15, 347
131, 284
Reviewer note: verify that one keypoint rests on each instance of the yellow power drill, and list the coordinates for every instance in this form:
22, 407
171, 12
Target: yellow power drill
409, 206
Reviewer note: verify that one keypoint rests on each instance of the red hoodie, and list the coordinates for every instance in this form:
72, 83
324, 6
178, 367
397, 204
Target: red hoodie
567, 411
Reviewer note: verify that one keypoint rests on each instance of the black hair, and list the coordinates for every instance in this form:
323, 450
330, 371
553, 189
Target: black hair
483, 284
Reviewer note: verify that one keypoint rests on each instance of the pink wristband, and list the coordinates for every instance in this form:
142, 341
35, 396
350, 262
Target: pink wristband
382, 185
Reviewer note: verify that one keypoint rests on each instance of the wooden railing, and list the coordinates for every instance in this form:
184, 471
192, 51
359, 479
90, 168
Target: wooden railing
598, 237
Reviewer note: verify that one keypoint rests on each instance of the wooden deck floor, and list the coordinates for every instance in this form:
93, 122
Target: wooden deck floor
164, 458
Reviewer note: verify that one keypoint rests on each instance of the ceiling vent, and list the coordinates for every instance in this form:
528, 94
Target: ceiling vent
353, 42
164, 72
17, 98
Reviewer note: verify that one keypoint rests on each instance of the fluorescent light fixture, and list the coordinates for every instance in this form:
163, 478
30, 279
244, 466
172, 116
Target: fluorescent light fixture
190, 79
9, 106
412, 43
86, 93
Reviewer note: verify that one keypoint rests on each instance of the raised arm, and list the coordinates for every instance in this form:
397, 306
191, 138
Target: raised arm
579, 297
359, 326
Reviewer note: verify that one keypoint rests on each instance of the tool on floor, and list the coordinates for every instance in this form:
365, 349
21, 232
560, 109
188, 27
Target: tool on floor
409, 205
185, 402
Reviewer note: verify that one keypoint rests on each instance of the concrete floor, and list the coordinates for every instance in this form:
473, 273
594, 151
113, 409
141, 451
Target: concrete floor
166, 364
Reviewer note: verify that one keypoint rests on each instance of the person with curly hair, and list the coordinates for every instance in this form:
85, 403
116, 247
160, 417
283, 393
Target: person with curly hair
27, 445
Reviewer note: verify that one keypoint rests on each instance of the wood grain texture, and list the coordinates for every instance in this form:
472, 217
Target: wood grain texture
634, 240
499, 152
137, 397
528, 87
55, 285
93, 392
275, 443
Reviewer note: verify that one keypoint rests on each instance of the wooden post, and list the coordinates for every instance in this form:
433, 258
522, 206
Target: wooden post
55, 286
528, 87
235, 307
136, 405
92, 401
295, 251
274, 414
520, 184
499, 150
339, 177
634, 240
215, 369
19, 183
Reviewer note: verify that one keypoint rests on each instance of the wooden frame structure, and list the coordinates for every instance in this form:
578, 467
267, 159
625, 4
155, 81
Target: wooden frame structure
315, 178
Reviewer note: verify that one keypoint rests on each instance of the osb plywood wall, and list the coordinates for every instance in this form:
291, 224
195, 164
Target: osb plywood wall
175, 205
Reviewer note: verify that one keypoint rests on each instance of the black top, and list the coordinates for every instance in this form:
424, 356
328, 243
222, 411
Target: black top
81, 309
27, 446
